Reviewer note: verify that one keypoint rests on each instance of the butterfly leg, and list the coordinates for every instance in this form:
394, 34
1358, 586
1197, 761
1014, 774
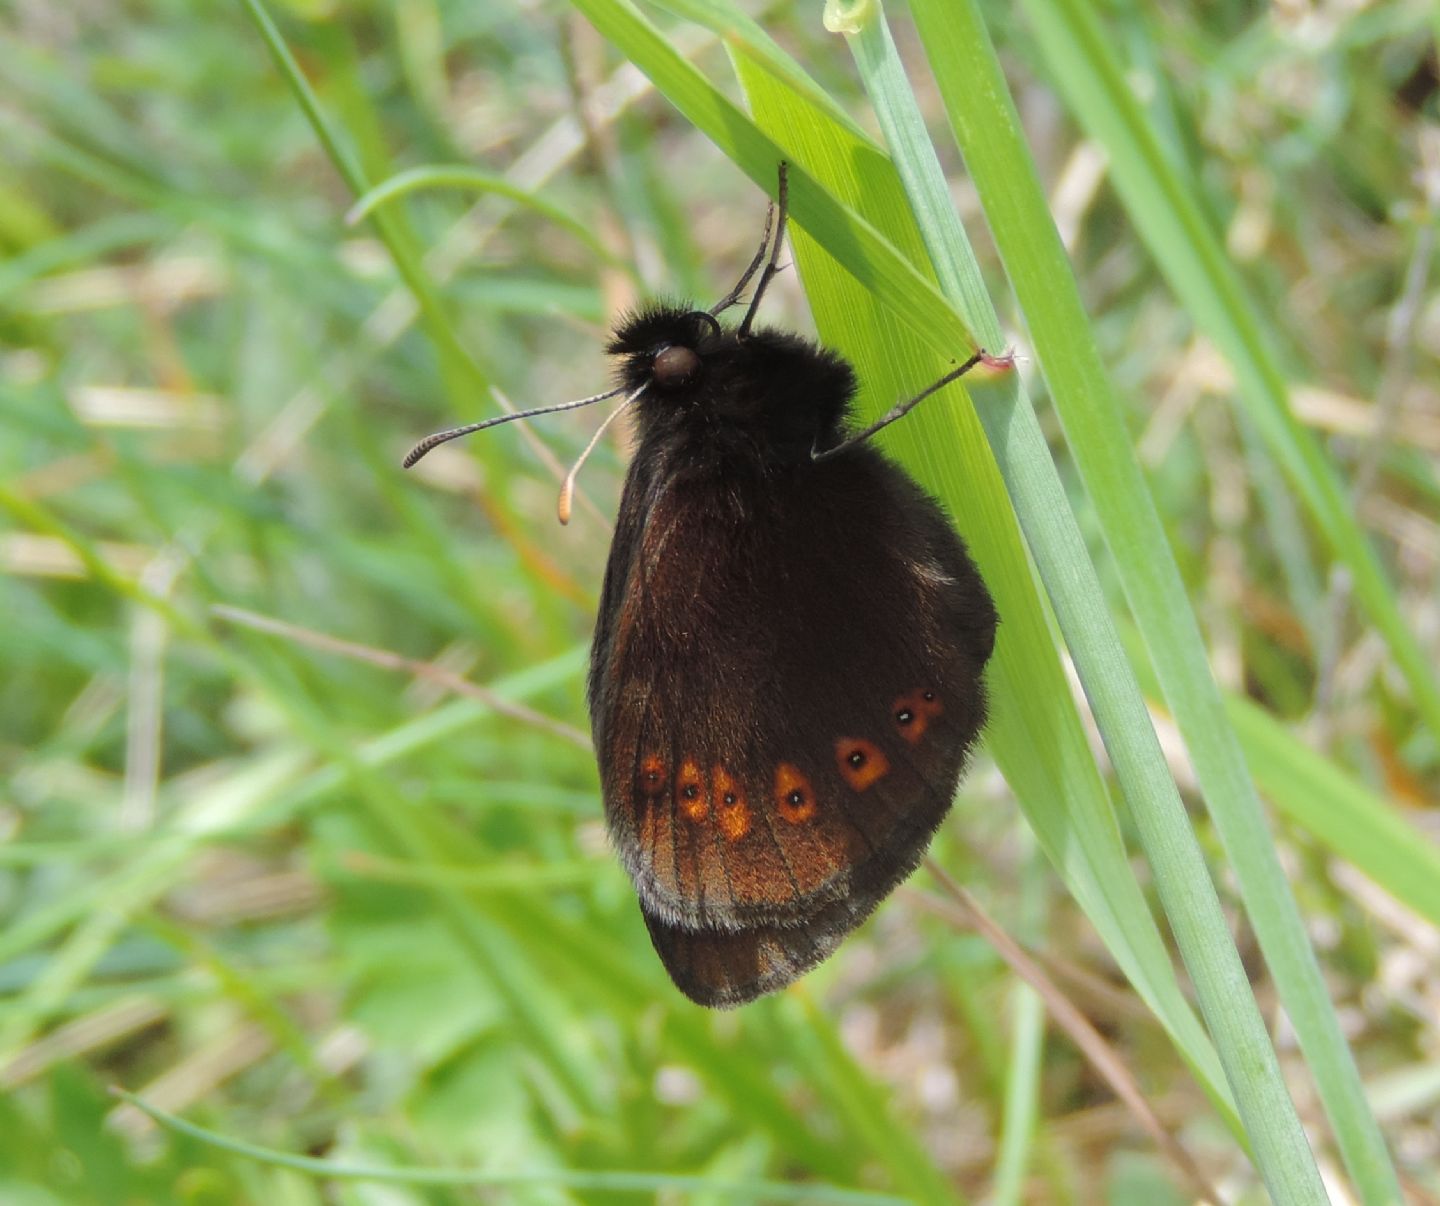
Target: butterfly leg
901, 409
772, 265
734, 295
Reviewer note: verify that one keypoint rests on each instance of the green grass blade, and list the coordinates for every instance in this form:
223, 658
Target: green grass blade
447, 175
988, 131
843, 233
1190, 903
397, 242
1351, 820
583, 1180
818, 1045
1022, 1093
1329, 804
1161, 201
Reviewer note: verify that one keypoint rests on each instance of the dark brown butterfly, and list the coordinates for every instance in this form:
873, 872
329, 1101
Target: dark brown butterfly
787, 673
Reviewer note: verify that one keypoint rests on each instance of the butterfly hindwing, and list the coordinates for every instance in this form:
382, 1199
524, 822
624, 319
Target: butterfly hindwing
722, 968
786, 681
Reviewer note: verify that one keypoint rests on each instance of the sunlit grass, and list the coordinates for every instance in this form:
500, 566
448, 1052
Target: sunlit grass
268, 876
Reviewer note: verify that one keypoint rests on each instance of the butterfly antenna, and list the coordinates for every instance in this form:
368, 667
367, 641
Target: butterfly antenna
567, 491
772, 265
444, 437
901, 409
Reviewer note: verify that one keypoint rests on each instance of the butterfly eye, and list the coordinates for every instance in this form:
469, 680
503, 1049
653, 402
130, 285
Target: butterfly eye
674, 366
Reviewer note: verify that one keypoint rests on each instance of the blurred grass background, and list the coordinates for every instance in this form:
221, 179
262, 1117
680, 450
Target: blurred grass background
313, 899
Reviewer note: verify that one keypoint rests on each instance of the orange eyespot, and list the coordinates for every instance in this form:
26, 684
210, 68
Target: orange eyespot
732, 812
862, 763
914, 711
692, 792
794, 797
652, 776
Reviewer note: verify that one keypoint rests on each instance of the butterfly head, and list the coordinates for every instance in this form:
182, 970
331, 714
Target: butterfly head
768, 392
665, 348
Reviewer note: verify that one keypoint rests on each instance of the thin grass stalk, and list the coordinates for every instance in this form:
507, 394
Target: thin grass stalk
988, 131
1280, 1147
1168, 217
579, 1179
387, 226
